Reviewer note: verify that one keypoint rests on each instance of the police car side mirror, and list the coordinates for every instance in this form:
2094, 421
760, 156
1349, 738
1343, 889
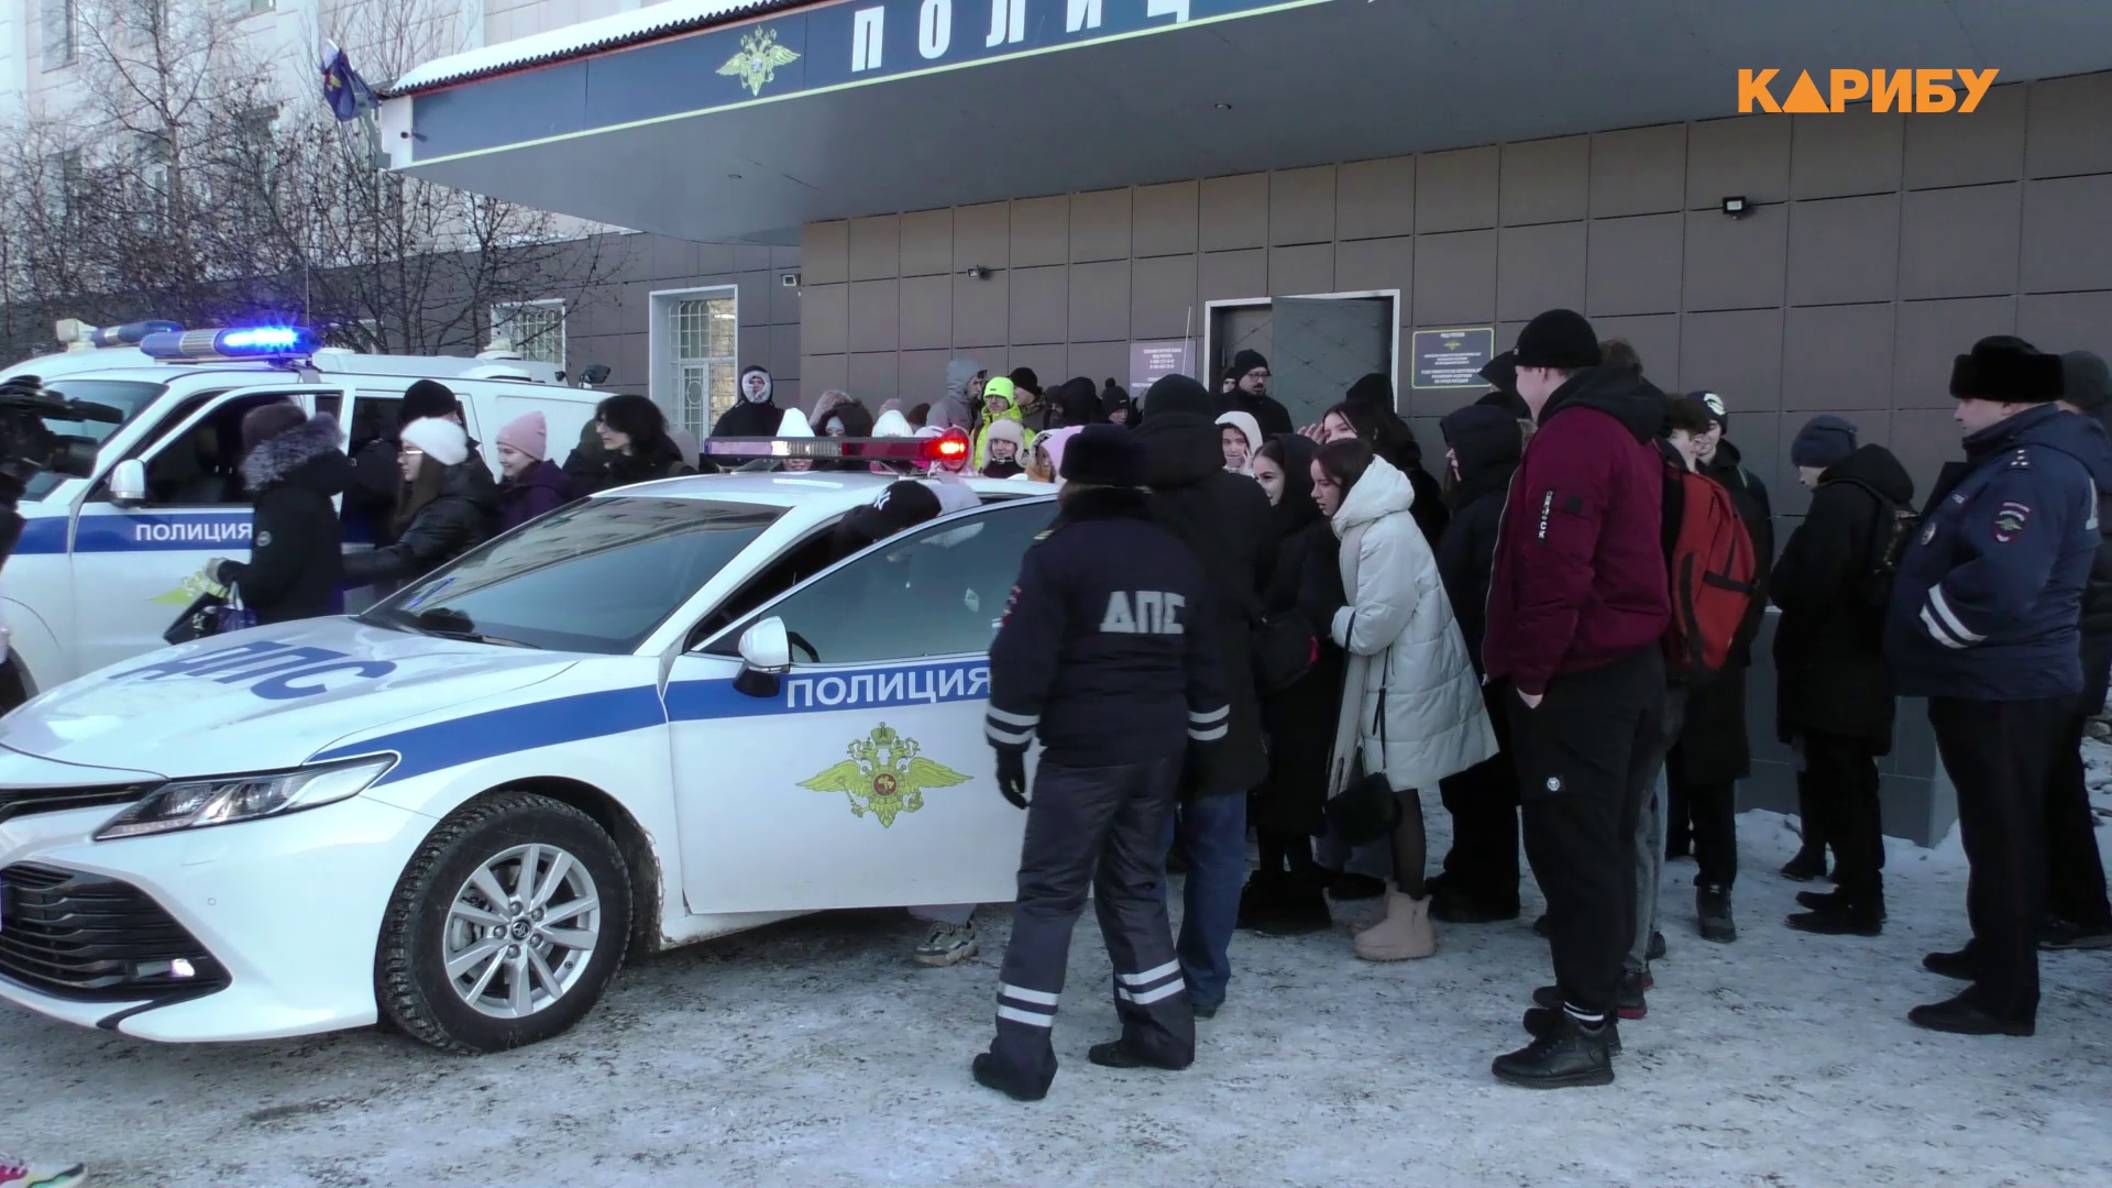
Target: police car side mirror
766, 654
128, 482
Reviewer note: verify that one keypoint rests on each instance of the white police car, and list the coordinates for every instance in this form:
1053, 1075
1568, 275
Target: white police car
658, 715
106, 562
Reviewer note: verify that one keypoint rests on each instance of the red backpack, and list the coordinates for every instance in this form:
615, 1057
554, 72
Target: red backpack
1711, 564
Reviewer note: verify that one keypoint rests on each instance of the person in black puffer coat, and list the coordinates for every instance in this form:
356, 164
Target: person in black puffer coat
1480, 881
1834, 698
1367, 414
1287, 895
2078, 914
293, 466
1224, 518
635, 448
449, 506
757, 413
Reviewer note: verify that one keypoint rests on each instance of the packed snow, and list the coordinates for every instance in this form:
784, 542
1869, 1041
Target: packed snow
814, 1053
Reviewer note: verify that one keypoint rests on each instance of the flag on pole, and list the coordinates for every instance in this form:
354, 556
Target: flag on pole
343, 89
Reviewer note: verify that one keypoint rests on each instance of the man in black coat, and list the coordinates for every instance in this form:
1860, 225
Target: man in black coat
293, 467
1224, 518
1480, 880
1250, 395
1713, 753
1833, 691
2078, 915
756, 414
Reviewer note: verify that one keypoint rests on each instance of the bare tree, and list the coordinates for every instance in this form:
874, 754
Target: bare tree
200, 181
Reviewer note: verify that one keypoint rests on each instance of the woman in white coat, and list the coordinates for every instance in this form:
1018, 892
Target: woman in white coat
1411, 706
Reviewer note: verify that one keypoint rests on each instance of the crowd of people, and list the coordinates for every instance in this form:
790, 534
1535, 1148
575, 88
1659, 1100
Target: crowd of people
1555, 636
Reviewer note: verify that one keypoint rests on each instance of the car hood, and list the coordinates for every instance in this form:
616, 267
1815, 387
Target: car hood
265, 698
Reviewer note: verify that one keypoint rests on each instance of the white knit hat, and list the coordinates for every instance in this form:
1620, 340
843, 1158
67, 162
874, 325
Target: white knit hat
442, 440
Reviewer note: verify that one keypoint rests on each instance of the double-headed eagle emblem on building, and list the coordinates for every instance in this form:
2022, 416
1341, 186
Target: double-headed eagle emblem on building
756, 65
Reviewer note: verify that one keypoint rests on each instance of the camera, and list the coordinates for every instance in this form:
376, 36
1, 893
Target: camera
29, 447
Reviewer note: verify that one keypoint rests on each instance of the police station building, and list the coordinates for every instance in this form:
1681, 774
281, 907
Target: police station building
1115, 188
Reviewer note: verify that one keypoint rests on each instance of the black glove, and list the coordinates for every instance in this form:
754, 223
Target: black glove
1012, 775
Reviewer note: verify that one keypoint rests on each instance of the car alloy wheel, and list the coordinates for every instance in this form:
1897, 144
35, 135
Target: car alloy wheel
521, 931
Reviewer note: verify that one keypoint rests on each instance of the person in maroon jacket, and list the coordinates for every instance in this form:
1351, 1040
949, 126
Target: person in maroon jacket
1577, 604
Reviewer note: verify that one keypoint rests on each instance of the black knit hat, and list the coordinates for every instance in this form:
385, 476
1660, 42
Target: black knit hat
429, 398
1178, 394
1501, 372
2006, 368
1559, 338
1719, 412
2085, 382
1105, 456
1373, 389
1024, 377
1825, 440
1244, 362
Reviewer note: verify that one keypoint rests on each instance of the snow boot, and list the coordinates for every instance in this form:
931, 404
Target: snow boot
1961, 965
1842, 918
1712, 903
1404, 935
2059, 935
1830, 901
1261, 899
1541, 1021
1571, 1055
992, 1075
1346, 885
1454, 904
1807, 865
1116, 1054
1300, 908
1961, 1016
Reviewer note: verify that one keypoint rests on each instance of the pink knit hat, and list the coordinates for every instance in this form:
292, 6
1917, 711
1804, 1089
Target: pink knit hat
529, 434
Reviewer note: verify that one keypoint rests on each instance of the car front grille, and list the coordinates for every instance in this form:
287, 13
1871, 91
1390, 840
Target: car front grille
87, 936
20, 802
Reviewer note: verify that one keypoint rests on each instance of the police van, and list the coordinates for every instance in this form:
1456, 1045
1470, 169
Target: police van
661, 714
107, 562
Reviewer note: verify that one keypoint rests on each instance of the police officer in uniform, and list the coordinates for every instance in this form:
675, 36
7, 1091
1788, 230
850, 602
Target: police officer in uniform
1106, 655
1983, 622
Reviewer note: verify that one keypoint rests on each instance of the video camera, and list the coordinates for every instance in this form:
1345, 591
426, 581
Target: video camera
28, 446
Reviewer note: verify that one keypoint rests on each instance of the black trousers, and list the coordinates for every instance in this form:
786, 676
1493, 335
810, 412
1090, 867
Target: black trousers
1838, 779
1999, 755
1104, 828
2076, 890
1712, 807
1586, 759
1483, 802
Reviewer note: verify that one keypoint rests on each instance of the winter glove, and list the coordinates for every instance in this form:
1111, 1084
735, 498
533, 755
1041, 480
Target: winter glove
211, 572
1012, 775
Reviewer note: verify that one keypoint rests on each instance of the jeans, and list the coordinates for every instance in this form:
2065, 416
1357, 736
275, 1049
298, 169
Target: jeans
1651, 825
1213, 832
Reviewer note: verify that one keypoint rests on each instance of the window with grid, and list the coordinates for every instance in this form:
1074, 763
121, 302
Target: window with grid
535, 329
702, 329
61, 41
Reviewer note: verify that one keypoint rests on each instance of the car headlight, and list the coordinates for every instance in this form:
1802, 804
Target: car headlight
224, 800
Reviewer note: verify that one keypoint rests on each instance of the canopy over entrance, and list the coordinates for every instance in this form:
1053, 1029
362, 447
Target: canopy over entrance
714, 119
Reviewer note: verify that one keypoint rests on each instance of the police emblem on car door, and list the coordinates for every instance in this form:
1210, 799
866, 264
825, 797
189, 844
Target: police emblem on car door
886, 776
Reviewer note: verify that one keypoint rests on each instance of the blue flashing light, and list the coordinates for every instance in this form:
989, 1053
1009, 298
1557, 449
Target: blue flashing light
245, 342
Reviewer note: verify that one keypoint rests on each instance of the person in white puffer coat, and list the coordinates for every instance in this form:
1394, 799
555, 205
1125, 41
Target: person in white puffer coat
1411, 706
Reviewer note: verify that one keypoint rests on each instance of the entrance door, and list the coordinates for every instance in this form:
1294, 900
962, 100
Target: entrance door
1325, 344
864, 779
136, 567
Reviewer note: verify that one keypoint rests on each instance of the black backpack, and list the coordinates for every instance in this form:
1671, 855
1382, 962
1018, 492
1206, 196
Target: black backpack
1892, 529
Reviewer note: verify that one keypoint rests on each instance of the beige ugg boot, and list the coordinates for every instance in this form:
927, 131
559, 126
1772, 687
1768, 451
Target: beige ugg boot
1405, 934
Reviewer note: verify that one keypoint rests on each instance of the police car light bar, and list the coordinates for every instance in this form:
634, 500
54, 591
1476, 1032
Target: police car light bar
243, 342
949, 447
73, 330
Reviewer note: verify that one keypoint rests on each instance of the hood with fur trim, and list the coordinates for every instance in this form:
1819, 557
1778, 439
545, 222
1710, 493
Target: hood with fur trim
277, 459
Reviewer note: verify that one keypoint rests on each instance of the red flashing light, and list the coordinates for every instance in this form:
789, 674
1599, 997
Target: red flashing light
949, 447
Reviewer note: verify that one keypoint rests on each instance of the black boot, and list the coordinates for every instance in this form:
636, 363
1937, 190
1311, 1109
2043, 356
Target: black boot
1839, 916
991, 1075
1961, 965
1540, 926
1541, 1022
1570, 1055
1300, 908
2059, 935
1116, 1054
1656, 951
1454, 904
1346, 885
1809, 864
1261, 899
1628, 999
1713, 904
1961, 1016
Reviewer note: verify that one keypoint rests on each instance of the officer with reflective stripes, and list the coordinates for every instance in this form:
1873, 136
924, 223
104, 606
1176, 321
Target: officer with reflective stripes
1106, 655
1984, 623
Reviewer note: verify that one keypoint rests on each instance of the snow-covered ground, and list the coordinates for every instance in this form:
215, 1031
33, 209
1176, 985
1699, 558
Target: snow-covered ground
813, 1053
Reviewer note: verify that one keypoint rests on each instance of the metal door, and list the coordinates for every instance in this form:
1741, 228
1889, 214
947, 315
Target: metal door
1325, 344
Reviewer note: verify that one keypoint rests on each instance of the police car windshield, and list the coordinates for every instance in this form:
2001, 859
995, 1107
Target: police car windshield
597, 576
128, 397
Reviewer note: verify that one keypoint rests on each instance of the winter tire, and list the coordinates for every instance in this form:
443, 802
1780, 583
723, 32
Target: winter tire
506, 926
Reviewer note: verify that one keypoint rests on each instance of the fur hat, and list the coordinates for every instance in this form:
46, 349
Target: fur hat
1825, 440
1006, 429
1559, 338
1106, 456
529, 433
429, 398
769, 385
2085, 382
267, 421
442, 440
2008, 369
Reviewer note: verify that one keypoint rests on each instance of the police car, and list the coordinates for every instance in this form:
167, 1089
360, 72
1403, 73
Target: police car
658, 715
107, 562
